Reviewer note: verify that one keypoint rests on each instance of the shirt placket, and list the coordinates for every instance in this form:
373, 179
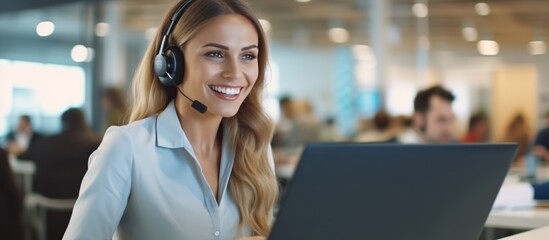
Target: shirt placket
211, 203
213, 209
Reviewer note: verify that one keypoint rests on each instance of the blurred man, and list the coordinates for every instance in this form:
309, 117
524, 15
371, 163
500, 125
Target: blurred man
23, 139
541, 145
61, 162
433, 120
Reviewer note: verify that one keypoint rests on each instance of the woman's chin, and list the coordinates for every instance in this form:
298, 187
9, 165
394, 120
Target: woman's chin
227, 113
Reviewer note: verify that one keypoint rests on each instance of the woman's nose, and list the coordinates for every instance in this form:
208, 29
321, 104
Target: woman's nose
232, 69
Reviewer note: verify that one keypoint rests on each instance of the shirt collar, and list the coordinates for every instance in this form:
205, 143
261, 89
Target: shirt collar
169, 133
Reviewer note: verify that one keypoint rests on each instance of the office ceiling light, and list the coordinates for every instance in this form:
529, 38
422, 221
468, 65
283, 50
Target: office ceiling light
488, 47
470, 34
265, 24
79, 53
420, 10
302, 1
338, 35
102, 29
537, 47
150, 33
482, 8
45, 28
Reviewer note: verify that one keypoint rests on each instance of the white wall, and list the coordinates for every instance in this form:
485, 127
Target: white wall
307, 73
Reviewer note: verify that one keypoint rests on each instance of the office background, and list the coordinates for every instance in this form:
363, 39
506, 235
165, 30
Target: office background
339, 60
348, 58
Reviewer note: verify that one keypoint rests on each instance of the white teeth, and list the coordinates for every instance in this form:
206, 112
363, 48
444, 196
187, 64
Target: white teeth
226, 90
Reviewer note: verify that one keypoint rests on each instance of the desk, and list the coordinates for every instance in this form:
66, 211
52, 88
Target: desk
515, 208
538, 234
542, 172
26, 169
518, 219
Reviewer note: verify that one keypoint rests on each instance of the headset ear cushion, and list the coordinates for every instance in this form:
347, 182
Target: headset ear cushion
176, 64
160, 68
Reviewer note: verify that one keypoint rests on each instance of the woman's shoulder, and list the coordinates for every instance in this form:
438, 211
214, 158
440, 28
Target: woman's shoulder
134, 130
137, 126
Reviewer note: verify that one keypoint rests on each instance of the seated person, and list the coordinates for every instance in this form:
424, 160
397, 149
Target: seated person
478, 129
518, 132
61, 162
22, 141
541, 144
433, 119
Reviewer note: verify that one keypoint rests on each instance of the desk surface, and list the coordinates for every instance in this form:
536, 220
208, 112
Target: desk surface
515, 208
518, 219
538, 234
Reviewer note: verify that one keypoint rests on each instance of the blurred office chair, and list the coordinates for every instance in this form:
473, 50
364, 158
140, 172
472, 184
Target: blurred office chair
38, 206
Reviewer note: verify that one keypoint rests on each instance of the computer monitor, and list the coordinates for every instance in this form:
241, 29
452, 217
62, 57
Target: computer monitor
412, 192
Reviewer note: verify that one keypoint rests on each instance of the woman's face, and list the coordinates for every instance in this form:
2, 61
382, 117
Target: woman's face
221, 64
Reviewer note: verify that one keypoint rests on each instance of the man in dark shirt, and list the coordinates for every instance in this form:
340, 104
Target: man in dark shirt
541, 145
61, 162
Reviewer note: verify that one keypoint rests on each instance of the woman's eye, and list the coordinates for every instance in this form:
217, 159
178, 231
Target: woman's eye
248, 56
215, 54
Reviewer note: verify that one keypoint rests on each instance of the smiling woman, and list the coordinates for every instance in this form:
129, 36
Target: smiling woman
181, 170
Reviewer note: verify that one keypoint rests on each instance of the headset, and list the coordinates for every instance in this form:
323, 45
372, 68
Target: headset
169, 62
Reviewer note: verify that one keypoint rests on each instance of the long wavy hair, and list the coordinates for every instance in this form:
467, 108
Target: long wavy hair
252, 184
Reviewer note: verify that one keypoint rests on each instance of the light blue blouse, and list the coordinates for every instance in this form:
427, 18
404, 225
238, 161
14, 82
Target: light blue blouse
144, 180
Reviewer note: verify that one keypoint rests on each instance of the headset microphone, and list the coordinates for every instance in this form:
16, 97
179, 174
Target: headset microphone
197, 105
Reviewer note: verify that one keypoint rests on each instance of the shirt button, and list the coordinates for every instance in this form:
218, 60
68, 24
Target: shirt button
216, 233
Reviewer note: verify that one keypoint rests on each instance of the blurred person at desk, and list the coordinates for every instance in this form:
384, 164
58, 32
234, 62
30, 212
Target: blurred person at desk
21, 142
61, 162
517, 132
433, 119
297, 126
195, 161
541, 144
308, 124
286, 134
11, 202
382, 131
286, 138
478, 129
540, 152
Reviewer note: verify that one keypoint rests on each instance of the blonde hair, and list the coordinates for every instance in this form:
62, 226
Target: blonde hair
252, 183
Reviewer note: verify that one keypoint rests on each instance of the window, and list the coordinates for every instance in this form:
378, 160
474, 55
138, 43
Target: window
42, 91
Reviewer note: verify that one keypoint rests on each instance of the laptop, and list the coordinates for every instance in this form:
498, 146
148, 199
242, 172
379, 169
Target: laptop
412, 192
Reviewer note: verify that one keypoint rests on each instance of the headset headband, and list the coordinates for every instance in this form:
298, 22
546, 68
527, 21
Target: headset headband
175, 18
